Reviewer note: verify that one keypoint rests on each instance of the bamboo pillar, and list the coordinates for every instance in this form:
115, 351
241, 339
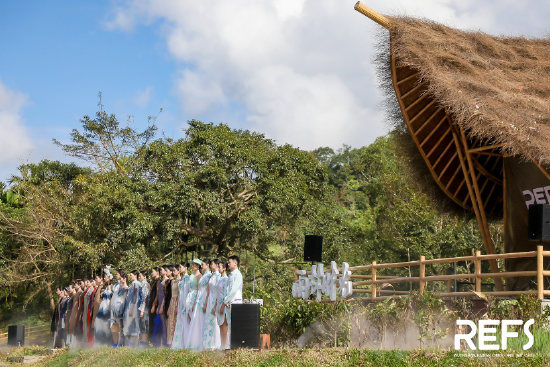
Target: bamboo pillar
373, 286
540, 278
478, 271
422, 274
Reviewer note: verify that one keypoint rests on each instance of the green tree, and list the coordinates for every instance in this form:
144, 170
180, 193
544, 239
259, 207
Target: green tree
221, 189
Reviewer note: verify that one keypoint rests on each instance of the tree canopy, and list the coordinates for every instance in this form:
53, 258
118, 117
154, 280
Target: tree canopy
140, 201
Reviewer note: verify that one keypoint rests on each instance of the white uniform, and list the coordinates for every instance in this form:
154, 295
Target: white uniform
234, 295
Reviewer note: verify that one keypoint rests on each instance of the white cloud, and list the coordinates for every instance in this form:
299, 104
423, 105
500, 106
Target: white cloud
141, 98
15, 144
318, 109
300, 69
198, 93
288, 8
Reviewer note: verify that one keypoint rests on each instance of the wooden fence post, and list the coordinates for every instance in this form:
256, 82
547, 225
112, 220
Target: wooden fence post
478, 271
296, 274
540, 278
373, 286
422, 274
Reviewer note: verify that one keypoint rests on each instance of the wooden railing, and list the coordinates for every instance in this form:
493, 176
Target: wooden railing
31, 332
375, 280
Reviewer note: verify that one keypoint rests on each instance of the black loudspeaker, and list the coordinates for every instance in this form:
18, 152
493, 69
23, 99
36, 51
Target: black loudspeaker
313, 248
245, 325
16, 335
539, 222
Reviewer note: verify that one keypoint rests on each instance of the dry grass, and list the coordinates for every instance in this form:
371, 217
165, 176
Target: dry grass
497, 87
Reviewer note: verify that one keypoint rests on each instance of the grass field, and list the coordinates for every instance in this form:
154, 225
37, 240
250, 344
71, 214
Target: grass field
325, 357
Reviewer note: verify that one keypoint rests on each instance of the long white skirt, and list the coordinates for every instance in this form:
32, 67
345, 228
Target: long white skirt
212, 338
189, 302
196, 330
179, 334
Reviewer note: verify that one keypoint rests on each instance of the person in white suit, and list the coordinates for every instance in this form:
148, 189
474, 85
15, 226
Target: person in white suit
234, 293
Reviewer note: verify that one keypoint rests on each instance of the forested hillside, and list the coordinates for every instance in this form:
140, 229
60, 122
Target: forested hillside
135, 199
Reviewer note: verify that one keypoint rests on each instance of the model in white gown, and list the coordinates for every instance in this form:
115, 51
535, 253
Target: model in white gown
196, 329
221, 289
211, 335
183, 286
189, 304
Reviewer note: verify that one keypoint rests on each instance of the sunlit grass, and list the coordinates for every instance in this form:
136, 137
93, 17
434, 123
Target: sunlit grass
127, 357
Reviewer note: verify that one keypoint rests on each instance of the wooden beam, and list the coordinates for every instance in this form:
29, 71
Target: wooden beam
447, 165
373, 15
489, 153
395, 83
461, 184
442, 154
470, 189
422, 110
489, 248
433, 131
425, 123
418, 100
485, 172
453, 176
477, 266
408, 78
492, 211
413, 89
438, 142
540, 275
373, 286
486, 147
539, 166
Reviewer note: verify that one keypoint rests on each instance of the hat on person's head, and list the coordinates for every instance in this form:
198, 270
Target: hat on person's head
197, 261
107, 271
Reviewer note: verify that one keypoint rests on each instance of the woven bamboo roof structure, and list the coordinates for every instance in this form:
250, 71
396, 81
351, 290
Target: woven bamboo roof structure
469, 99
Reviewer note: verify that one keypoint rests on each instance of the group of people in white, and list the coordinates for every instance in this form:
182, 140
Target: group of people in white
182, 306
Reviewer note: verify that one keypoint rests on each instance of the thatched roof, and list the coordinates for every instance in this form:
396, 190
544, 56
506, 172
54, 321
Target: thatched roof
497, 88
468, 95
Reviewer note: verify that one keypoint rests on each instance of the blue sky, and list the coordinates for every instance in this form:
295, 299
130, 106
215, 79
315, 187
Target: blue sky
299, 71
60, 56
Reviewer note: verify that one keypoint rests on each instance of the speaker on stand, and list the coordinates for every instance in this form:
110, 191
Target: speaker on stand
538, 227
16, 335
245, 325
313, 248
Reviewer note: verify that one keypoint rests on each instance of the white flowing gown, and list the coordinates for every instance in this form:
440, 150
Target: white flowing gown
221, 289
211, 336
196, 332
189, 303
178, 341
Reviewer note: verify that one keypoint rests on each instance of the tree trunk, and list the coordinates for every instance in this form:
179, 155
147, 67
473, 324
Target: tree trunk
50, 295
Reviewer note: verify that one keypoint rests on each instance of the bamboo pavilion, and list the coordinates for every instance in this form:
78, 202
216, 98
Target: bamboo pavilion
477, 109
